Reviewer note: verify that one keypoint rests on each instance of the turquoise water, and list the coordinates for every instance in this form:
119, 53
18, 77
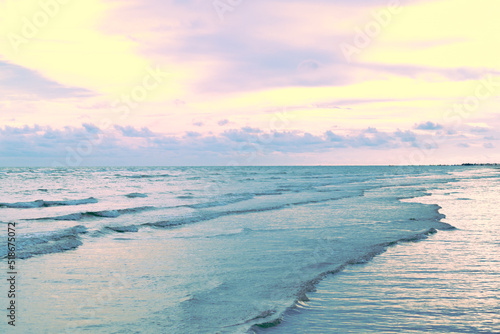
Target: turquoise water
447, 284
211, 250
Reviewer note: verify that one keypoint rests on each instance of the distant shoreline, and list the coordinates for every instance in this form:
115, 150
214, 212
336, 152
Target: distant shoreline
484, 164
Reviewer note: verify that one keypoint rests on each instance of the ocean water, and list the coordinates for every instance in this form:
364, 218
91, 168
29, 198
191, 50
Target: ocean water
252, 249
447, 284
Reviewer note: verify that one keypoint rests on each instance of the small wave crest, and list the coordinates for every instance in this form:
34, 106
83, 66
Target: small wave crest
185, 196
42, 203
136, 195
102, 214
55, 242
144, 176
204, 215
123, 229
223, 200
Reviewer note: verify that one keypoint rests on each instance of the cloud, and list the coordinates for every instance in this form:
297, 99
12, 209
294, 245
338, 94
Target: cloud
478, 129
373, 138
9, 130
488, 145
70, 49
91, 145
91, 128
406, 136
428, 126
130, 131
333, 137
248, 129
236, 135
192, 134
263, 55
20, 82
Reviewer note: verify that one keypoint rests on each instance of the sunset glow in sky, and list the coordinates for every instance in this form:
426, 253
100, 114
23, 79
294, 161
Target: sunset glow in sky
238, 82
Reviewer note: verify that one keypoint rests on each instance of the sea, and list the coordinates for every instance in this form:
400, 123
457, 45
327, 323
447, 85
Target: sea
319, 249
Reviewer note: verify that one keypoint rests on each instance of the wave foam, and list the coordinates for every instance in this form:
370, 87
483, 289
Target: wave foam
124, 229
310, 285
55, 242
42, 203
102, 214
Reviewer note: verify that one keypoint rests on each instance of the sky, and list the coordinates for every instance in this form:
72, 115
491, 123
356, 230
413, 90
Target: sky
238, 82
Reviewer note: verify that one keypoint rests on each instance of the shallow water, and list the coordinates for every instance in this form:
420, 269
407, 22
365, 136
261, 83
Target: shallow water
446, 284
204, 250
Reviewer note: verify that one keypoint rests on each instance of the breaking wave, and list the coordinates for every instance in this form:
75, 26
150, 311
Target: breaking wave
42, 203
55, 242
93, 214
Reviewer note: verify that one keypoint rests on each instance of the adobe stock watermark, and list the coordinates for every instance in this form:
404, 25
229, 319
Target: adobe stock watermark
122, 108
455, 116
222, 7
31, 26
364, 36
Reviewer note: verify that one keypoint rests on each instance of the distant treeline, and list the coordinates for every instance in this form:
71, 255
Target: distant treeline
488, 164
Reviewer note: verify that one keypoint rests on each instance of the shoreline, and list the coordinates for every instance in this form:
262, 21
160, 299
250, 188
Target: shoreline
378, 250
410, 278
